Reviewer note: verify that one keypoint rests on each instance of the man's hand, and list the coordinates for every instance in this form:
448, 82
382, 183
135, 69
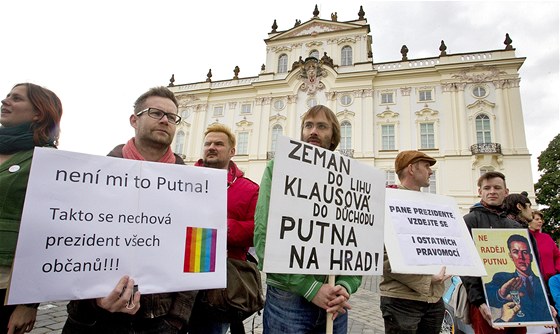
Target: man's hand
554, 314
486, 314
509, 310
513, 284
441, 276
333, 299
22, 319
119, 299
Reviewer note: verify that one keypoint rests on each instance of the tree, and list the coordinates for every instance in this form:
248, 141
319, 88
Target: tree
547, 189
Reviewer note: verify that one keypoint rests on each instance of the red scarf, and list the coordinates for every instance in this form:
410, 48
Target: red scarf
131, 152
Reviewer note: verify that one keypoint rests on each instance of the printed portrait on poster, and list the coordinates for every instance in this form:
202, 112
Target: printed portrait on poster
513, 287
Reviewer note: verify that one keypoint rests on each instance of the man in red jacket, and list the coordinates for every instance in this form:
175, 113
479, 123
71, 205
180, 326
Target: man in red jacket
242, 193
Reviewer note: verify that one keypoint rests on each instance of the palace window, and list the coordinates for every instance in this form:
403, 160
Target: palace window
483, 129
388, 137
345, 135
479, 91
432, 187
425, 95
345, 99
427, 136
283, 63
346, 56
218, 111
243, 143
179, 142
246, 108
387, 98
276, 132
278, 104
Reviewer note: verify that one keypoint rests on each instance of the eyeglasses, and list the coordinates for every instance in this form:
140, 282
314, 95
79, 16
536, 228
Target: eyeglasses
158, 114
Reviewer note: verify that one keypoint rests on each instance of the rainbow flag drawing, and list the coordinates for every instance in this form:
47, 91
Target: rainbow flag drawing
200, 250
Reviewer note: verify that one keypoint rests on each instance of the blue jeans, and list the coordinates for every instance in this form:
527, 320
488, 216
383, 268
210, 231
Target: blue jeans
411, 316
288, 313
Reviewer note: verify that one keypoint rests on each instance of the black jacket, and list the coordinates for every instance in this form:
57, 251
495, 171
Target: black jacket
481, 217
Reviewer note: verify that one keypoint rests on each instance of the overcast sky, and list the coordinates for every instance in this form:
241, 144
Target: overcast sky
99, 56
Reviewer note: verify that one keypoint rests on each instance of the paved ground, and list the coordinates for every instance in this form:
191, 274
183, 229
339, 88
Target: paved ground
365, 316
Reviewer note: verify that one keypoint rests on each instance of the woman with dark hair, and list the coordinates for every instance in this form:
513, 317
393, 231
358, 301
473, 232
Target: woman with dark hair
518, 208
30, 117
549, 255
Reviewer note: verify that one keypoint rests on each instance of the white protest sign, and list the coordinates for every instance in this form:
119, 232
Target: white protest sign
88, 220
326, 213
424, 232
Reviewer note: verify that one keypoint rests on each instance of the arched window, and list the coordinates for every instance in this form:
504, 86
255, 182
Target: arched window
276, 131
314, 54
283, 63
179, 142
345, 135
483, 129
346, 56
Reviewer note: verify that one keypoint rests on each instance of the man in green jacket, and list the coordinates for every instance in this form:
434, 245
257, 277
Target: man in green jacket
297, 303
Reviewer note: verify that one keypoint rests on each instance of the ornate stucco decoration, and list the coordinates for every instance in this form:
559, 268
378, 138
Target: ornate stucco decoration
200, 108
186, 99
481, 105
331, 95
367, 93
311, 74
507, 83
244, 124
262, 100
345, 114
453, 86
478, 160
346, 40
232, 105
405, 91
358, 92
313, 43
479, 73
277, 118
426, 114
313, 29
388, 115
280, 48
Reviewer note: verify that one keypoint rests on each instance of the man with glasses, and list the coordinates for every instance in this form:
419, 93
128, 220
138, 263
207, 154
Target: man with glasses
242, 193
297, 303
124, 310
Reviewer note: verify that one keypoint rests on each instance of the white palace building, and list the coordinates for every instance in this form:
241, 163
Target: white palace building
462, 109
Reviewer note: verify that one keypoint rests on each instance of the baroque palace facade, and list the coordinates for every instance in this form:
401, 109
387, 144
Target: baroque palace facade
462, 109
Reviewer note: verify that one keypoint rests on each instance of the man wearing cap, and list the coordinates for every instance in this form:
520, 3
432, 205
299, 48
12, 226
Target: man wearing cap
411, 303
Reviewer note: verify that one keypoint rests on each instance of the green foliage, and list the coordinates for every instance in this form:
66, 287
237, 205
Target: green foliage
547, 189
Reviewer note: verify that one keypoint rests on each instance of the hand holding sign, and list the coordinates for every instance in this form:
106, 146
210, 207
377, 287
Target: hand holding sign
119, 298
334, 299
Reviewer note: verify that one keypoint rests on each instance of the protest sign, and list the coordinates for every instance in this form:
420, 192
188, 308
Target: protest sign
424, 232
326, 213
88, 220
513, 278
